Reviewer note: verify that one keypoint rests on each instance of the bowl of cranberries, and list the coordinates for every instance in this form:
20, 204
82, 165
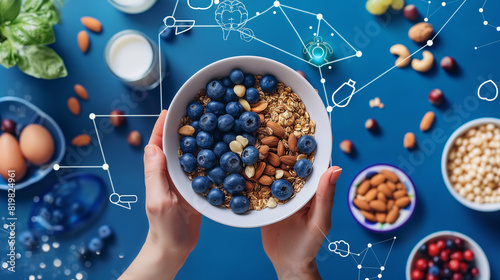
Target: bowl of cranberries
447, 255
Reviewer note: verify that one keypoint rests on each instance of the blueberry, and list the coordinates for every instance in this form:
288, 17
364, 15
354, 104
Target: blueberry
215, 89
217, 108
234, 184
196, 126
226, 81
194, 110
234, 109
423, 249
167, 33
225, 123
204, 140
188, 144
105, 232
250, 155
229, 96
306, 144
27, 239
208, 122
437, 261
250, 138
237, 127
217, 175
231, 162
237, 76
447, 272
303, 168
434, 270
216, 197
220, 148
58, 217
201, 184
252, 95
250, 122
239, 204
206, 159
228, 138
96, 245
268, 83
188, 162
249, 80
450, 244
218, 135
281, 189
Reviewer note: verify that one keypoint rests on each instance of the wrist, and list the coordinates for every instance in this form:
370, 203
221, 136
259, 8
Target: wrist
303, 271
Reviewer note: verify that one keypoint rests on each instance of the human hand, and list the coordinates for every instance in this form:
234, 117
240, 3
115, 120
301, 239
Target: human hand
293, 243
174, 226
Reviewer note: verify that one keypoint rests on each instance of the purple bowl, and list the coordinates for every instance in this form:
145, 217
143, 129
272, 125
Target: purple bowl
405, 214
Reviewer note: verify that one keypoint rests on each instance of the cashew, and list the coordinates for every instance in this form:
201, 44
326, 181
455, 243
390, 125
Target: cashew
425, 64
403, 55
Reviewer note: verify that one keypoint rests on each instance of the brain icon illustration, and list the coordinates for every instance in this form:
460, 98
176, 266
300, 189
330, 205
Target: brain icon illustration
340, 248
231, 15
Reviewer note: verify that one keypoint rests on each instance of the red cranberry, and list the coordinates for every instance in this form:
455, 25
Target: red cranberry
448, 63
459, 243
457, 256
417, 275
411, 12
474, 271
436, 97
454, 265
468, 255
117, 118
457, 276
431, 277
440, 243
445, 255
464, 267
433, 250
421, 264
9, 126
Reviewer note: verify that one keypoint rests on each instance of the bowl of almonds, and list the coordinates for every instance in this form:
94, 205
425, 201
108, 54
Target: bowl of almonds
382, 198
242, 143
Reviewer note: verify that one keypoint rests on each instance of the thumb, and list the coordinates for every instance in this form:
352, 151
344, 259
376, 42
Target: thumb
321, 207
155, 172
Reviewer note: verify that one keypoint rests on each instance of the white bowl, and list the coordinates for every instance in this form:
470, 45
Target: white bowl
486, 207
480, 257
257, 66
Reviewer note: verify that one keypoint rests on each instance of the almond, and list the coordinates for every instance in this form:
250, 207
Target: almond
83, 41
276, 128
390, 175
74, 106
262, 118
248, 186
259, 106
420, 32
391, 185
402, 202
377, 179
134, 138
377, 205
292, 143
273, 159
347, 146
289, 160
361, 204
266, 180
81, 140
380, 217
263, 152
393, 215
390, 203
427, 121
363, 187
92, 24
269, 170
186, 130
81, 92
281, 149
383, 188
284, 166
301, 156
286, 174
381, 196
261, 166
369, 216
399, 194
371, 195
409, 140
270, 141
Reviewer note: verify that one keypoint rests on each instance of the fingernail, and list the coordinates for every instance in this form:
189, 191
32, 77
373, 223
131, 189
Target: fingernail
335, 176
150, 152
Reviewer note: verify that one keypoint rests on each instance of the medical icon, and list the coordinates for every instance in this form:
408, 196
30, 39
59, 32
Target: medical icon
231, 15
482, 89
340, 248
318, 51
347, 89
123, 200
181, 26
200, 4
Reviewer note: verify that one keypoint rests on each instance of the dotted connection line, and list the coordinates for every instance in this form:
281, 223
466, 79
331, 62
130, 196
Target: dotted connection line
487, 23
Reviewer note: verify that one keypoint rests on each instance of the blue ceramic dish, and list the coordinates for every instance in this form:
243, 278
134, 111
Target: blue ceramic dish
405, 214
25, 113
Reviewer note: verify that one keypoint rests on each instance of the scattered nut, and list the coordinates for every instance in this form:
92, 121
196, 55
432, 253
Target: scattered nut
271, 141
263, 152
265, 180
239, 90
74, 106
269, 170
371, 124
292, 143
409, 140
403, 54
236, 147
134, 138
250, 171
271, 203
300, 72
346, 146
436, 97
186, 130
244, 103
424, 64
92, 24
301, 156
117, 119
261, 166
81, 140
81, 92
83, 41
276, 128
280, 150
279, 174
411, 12
427, 121
448, 63
273, 159
243, 141
420, 32
259, 106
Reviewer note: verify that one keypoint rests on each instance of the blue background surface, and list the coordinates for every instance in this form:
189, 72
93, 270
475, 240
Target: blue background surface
227, 253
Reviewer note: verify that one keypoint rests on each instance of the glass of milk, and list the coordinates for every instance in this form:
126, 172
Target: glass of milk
132, 6
135, 60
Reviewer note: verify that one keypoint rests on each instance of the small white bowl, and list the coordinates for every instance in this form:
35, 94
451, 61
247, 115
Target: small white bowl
258, 66
480, 257
486, 207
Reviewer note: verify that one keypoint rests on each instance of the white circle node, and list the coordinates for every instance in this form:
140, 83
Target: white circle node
480, 10
105, 166
359, 266
314, 34
359, 53
319, 16
56, 167
382, 268
216, 2
367, 279
92, 116
498, 28
426, 19
332, 34
394, 237
310, 27
430, 43
379, 276
329, 109
322, 81
429, 2
276, 3
330, 67
443, 4
475, 48
485, 22
369, 245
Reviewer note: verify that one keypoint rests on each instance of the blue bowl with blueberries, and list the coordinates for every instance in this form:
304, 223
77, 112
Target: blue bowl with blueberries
241, 143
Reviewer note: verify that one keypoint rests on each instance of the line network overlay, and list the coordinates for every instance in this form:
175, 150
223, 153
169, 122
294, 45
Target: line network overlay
318, 48
489, 24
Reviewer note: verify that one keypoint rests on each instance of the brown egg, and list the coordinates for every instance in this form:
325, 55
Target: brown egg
37, 145
11, 160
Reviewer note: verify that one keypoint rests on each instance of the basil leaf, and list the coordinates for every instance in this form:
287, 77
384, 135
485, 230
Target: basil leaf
43, 8
8, 54
29, 29
9, 9
41, 62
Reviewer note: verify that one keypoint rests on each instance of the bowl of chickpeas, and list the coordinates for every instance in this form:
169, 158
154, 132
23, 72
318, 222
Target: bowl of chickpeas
470, 164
